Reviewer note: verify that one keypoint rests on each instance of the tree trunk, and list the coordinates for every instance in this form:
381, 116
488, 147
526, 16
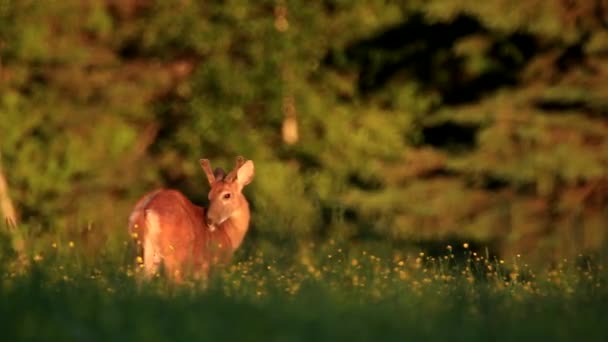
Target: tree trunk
10, 215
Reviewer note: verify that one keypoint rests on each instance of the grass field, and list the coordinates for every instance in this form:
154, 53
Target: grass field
321, 292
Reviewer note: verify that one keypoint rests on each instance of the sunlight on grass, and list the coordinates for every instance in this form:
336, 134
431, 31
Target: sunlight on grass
324, 290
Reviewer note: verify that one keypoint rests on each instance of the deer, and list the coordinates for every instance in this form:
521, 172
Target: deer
186, 239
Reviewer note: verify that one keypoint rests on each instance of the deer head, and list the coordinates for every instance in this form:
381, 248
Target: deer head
225, 197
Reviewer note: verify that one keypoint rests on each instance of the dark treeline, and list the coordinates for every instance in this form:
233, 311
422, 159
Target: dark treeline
412, 121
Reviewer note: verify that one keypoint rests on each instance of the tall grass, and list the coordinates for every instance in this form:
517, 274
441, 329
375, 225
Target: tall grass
325, 291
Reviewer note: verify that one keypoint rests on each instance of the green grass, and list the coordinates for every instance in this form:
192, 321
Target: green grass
322, 292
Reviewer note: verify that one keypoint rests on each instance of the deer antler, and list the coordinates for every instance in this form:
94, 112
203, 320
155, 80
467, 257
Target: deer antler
233, 174
207, 168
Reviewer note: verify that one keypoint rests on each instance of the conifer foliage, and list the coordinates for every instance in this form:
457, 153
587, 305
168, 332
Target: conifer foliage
409, 120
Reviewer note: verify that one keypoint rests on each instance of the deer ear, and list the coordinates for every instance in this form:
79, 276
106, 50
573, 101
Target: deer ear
219, 173
245, 173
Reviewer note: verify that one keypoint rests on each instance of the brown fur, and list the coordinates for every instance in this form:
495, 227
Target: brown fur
172, 231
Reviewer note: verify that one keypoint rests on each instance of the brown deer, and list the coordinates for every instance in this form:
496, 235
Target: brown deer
187, 239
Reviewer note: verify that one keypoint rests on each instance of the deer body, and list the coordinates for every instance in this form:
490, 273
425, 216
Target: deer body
188, 239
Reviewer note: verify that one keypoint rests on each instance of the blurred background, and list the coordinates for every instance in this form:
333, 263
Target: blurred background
415, 123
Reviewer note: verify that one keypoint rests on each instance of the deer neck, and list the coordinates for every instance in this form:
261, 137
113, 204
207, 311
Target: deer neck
237, 225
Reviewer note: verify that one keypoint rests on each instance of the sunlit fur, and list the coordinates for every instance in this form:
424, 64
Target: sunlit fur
186, 239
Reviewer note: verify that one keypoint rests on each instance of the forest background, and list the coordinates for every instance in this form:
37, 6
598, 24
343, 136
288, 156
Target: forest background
420, 123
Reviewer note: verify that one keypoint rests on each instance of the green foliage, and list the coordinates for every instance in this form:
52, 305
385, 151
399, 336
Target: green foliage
417, 121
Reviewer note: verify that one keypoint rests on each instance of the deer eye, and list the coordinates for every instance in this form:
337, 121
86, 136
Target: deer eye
226, 195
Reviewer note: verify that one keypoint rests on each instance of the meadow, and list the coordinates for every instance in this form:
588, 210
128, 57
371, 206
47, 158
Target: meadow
380, 131
316, 291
